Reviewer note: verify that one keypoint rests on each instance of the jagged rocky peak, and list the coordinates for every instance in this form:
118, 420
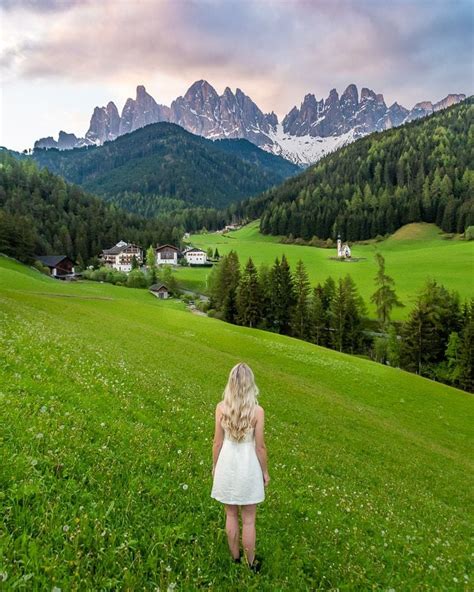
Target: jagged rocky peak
350, 95
452, 99
141, 111
272, 119
67, 141
46, 143
201, 92
104, 125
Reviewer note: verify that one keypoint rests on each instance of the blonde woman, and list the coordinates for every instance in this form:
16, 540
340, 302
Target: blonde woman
239, 470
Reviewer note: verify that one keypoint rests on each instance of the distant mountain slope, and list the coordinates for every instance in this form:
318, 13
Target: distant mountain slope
304, 136
165, 160
422, 171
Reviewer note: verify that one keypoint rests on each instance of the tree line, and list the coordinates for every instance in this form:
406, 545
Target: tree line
436, 340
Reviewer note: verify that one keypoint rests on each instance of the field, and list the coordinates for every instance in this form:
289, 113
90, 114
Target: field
412, 254
107, 398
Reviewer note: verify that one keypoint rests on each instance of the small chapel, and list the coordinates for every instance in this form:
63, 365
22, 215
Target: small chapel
343, 250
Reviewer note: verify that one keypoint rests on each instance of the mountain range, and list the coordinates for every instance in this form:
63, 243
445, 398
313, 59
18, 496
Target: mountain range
304, 135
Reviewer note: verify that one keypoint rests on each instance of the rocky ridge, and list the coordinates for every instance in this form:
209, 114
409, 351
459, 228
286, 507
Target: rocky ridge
305, 134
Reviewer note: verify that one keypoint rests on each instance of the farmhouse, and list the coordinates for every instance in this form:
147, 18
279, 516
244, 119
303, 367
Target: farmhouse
167, 255
60, 266
195, 256
159, 290
120, 256
343, 250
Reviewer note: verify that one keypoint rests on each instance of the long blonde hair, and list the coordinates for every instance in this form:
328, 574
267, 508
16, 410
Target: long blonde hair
240, 399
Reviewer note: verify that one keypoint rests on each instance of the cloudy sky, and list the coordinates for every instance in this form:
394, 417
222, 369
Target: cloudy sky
60, 58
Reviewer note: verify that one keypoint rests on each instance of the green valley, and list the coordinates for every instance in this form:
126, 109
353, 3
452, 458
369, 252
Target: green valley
413, 253
108, 399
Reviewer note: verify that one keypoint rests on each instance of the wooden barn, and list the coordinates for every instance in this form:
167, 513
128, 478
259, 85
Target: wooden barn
160, 291
60, 266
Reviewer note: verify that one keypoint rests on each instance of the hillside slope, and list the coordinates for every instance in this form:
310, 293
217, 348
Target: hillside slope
420, 172
164, 160
41, 214
108, 397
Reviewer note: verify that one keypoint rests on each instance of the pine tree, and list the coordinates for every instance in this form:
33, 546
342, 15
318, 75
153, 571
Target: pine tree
248, 297
265, 289
338, 316
216, 254
299, 318
223, 285
355, 311
318, 319
150, 257
384, 297
466, 351
393, 347
435, 316
134, 263
282, 296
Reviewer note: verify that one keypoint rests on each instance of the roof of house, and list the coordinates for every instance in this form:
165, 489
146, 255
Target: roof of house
52, 260
119, 248
194, 250
168, 247
157, 287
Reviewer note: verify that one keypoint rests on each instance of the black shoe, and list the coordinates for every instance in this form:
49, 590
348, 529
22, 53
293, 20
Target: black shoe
238, 560
256, 565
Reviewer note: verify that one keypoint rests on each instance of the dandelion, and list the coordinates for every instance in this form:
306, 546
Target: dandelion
319, 512
34, 462
39, 436
65, 528
55, 589
179, 451
336, 530
168, 568
185, 487
171, 587
3, 576
102, 425
43, 409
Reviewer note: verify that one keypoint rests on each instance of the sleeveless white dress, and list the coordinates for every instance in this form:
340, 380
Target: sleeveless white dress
238, 477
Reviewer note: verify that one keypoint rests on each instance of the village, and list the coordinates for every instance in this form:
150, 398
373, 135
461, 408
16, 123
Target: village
124, 257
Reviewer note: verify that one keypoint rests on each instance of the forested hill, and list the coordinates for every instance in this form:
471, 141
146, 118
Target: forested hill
41, 214
422, 171
144, 169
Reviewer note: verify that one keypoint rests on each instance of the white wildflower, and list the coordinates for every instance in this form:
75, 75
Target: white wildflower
185, 486
65, 528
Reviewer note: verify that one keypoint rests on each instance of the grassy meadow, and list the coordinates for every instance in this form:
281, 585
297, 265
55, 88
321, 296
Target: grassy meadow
412, 254
107, 415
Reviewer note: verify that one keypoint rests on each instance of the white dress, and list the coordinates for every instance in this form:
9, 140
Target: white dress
238, 477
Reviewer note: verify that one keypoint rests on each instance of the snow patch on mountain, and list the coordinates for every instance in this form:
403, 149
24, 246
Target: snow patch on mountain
304, 150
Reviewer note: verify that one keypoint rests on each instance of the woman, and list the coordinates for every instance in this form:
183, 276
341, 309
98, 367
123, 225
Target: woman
239, 469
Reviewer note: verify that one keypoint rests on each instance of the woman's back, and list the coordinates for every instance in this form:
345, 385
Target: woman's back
238, 475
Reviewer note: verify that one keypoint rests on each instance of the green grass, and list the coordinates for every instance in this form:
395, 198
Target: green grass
412, 254
107, 410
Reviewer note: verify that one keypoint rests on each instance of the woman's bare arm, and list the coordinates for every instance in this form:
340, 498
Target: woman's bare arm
218, 438
260, 447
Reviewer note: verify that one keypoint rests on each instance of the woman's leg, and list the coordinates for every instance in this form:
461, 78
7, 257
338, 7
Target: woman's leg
249, 513
232, 529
